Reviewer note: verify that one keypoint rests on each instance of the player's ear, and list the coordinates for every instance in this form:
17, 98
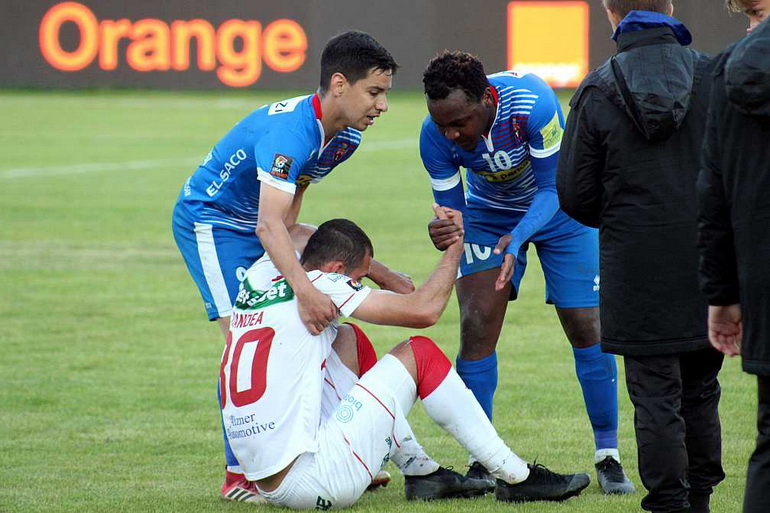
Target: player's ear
487, 98
334, 266
337, 84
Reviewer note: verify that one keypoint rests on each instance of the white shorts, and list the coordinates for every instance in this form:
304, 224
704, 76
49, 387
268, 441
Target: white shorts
356, 438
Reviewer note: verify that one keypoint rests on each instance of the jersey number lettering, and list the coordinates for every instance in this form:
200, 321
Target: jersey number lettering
257, 345
501, 160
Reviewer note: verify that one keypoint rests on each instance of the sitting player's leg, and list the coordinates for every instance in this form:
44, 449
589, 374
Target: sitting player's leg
353, 355
370, 423
569, 254
451, 405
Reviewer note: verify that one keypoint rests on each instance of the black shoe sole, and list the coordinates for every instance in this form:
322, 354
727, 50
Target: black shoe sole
503, 495
432, 493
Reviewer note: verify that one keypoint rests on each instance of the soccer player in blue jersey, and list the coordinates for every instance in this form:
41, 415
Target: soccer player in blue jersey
245, 196
506, 129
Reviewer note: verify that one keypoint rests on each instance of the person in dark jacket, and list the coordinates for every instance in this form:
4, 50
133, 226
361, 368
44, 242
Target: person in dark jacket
734, 239
628, 166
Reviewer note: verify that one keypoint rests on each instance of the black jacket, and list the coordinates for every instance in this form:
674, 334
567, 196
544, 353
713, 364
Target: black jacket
628, 165
734, 193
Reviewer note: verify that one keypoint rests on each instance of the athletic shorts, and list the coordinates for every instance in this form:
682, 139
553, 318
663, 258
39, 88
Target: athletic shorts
568, 252
355, 441
217, 259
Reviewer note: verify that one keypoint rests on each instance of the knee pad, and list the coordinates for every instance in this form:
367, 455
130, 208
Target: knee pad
432, 365
367, 356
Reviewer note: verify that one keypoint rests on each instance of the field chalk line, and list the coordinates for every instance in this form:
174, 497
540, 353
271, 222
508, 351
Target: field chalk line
89, 167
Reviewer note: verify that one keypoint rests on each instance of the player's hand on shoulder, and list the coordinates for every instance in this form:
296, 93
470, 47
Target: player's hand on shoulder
317, 311
446, 228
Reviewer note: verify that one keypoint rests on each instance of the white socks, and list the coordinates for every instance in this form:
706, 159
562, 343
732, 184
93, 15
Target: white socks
453, 407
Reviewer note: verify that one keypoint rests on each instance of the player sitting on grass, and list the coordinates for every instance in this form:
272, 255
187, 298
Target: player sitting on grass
311, 423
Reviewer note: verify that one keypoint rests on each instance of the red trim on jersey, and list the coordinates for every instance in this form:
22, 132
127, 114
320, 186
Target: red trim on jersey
376, 399
317, 107
346, 301
367, 356
432, 365
496, 98
358, 457
314, 279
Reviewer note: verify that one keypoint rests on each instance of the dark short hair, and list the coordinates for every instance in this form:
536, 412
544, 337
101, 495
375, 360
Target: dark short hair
623, 7
451, 71
337, 239
354, 54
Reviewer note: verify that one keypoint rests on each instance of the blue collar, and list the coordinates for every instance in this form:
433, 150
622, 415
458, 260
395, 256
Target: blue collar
642, 20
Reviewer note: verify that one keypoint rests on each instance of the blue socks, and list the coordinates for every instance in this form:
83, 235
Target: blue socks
480, 376
230, 460
598, 376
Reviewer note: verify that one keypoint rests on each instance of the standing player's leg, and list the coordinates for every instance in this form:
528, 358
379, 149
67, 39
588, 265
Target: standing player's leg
352, 356
569, 254
482, 312
217, 260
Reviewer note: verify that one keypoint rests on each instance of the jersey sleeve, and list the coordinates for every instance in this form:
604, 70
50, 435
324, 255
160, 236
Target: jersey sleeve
281, 154
545, 124
344, 292
442, 166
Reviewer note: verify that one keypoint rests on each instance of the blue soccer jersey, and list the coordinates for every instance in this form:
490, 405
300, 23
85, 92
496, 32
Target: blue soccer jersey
502, 171
281, 144
513, 167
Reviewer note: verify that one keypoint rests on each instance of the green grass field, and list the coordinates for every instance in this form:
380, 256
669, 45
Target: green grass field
108, 366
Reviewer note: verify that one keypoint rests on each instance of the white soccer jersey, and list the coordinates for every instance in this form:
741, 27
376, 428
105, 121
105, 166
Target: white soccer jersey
271, 377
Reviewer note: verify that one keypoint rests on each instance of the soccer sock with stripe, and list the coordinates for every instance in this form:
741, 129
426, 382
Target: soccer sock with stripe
480, 376
452, 406
598, 376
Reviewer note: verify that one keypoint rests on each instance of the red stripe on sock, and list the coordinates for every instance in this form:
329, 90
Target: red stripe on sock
367, 356
432, 365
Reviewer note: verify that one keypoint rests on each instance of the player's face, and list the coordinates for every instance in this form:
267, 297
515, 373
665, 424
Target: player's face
366, 99
361, 271
460, 119
757, 11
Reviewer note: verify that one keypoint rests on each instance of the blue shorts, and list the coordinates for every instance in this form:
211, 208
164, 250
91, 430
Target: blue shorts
217, 259
568, 252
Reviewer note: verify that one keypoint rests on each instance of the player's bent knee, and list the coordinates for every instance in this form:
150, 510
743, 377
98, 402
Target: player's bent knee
367, 356
432, 364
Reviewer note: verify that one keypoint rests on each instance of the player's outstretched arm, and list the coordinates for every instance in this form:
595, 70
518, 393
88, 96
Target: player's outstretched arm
424, 306
316, 309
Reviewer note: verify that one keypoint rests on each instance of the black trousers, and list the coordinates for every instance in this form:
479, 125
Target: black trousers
678, 434
757, 499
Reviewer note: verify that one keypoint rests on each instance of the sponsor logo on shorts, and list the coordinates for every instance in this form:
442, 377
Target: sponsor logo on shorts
247, 425
347, 409
281, 166
596, 283
322, 504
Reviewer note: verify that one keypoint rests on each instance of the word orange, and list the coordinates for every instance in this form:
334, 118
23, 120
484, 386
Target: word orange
157, 46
